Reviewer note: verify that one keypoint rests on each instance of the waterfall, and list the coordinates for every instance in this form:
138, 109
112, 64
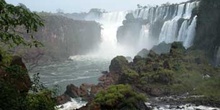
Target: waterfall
109, 47
190, 34
183, 31
189, 8
175, 19
166, 23
180, 10
168, 32
144, 37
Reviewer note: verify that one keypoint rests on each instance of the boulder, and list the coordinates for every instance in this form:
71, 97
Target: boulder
17, 75
63, 99
24, 82
72, 91
117, 64
104, 72
95, 89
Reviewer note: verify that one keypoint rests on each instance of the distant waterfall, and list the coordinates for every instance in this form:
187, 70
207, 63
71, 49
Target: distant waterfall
168, 32
110, 22
190, 34
183, 31
166, 23
177, 23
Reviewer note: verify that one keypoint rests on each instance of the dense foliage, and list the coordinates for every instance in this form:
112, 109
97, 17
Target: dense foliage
15, 22
178, 72
120, 97
12, 99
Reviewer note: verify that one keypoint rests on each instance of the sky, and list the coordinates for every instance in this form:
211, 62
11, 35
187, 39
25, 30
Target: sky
70, 6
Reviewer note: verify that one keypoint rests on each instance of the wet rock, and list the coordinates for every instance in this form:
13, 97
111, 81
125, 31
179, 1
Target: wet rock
95, 89
82, 91
90, 106
63, 99
104, 72
72, 91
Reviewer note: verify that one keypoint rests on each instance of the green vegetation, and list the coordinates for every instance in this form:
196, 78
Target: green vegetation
16, 20
12, 99
17, 25
178, 72
120, 97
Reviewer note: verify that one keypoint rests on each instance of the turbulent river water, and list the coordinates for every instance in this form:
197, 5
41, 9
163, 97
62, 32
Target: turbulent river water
77, 70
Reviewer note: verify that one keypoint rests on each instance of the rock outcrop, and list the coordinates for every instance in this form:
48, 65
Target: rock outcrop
63, 37
128, 33
208, 28
16, 75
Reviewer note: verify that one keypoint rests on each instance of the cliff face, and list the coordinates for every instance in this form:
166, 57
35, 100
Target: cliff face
208, 27
63, 37
128, 33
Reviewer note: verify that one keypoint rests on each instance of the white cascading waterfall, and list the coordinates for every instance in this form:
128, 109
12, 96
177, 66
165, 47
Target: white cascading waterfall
170, 32
189, 8
110, 22
183, 31
144, 38
188, 42
177, 26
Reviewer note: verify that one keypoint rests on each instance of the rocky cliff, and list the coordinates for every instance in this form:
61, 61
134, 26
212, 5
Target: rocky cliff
63, 37
208, 28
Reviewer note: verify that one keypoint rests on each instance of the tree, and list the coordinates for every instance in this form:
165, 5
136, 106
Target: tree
16, 21
17, 25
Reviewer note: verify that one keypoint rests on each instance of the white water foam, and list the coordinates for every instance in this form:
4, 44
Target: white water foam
72, 105
184, 107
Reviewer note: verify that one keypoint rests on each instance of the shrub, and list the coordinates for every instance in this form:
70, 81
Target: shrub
163, 76
119, 96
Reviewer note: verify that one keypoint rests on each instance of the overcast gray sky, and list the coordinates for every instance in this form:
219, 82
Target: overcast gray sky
70, 6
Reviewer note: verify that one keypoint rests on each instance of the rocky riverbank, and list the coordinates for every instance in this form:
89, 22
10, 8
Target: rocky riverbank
179, 72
